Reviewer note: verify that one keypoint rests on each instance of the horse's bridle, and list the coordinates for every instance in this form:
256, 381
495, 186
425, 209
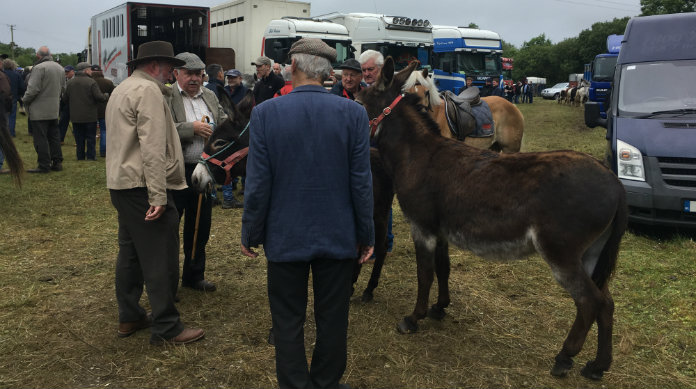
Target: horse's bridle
374, 123
228, 163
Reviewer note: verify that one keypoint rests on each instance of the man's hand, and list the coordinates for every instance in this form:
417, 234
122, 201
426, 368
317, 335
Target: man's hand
249, 252
365, 253
154, 212
202, 129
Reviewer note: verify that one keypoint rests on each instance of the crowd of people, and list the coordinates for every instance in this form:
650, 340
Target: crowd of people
519, 92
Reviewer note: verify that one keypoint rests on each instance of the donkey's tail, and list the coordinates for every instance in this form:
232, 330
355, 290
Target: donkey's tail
610, 252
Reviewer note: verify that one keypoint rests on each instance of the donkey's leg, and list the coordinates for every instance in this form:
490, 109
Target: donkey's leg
425, 252
605, 324
588, 302
381, 220
442, 270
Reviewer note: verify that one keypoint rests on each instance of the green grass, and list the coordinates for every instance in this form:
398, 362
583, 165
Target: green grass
506, 322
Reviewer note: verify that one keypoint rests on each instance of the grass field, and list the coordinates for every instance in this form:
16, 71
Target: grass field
504, 326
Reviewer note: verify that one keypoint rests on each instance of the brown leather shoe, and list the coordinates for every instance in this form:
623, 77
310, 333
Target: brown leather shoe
130, 327
188, 335
203, 285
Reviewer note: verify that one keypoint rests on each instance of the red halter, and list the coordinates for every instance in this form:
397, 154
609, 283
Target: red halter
228, 163
385, 112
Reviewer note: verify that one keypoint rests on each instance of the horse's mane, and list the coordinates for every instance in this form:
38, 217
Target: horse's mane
413, 101
416, 77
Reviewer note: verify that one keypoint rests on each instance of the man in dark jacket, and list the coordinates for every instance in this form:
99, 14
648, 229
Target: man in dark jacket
17, 89
308, 201
83, 97
351, 79
495, 89
105, 86
235, 87
269, 83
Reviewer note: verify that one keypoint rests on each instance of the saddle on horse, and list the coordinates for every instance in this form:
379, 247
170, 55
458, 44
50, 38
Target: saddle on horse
468, 115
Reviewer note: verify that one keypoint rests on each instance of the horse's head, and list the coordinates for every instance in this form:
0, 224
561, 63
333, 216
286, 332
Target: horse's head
224, 154
420, 84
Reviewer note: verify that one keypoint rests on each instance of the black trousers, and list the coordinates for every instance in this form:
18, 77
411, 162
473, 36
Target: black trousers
287, 295
187, 203
85, 134
46, 143
148, 253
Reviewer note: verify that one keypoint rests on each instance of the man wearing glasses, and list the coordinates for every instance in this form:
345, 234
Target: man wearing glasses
351, 79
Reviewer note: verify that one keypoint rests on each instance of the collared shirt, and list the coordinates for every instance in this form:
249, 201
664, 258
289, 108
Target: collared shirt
196, 109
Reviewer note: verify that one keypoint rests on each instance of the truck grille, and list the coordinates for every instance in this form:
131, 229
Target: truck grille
678, 171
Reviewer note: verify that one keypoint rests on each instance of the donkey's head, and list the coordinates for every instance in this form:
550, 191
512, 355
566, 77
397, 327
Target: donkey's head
224, 154
388, 86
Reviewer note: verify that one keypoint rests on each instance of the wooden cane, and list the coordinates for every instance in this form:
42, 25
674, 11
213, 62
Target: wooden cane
195, 231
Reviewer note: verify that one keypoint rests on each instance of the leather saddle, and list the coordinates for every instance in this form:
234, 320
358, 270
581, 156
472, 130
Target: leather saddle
468, 115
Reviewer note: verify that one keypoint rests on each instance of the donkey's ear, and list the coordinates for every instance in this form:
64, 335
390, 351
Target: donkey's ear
425, 73
246, 104
388, 71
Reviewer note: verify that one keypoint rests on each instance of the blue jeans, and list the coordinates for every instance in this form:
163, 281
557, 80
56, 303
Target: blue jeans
12, 119
86, 133
102, 137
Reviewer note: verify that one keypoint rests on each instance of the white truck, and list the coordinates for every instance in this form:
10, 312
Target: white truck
403, 38
240, 25
282, 33
115, 35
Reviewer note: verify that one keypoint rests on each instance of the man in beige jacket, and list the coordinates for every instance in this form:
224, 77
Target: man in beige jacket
144, 163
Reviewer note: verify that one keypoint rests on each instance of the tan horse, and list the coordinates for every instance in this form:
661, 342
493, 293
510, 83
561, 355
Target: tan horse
508, 120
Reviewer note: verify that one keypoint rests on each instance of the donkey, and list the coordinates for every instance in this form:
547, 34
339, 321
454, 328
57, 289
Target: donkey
224, 154
564, 205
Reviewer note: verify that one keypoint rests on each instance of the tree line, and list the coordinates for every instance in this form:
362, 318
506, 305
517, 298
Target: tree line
26, 56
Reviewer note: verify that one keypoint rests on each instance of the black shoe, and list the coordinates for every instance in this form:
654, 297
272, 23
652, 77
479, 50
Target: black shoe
234, 203
57, 167
202, 285
38, 170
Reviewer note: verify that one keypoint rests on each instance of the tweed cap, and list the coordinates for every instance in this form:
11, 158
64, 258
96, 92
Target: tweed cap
191, 61
262, 60
313, 46
82, 66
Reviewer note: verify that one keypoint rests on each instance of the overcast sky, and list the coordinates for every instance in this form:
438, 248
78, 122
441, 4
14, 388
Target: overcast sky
62, 24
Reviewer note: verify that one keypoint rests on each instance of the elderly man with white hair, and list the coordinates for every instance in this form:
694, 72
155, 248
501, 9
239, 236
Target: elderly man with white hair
308, 201
371, 63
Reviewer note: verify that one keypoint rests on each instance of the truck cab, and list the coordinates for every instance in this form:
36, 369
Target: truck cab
601, 72
465, 52
404, 39
280, 34
651, 120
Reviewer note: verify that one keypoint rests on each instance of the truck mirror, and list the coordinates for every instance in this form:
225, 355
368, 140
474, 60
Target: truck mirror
592, 115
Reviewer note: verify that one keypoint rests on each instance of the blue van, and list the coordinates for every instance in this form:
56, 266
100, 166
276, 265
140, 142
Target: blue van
651, 120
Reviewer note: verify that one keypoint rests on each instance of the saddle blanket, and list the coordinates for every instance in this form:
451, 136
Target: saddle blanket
484, 121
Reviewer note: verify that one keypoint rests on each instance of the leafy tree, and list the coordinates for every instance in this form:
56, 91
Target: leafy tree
658, 7
26, 56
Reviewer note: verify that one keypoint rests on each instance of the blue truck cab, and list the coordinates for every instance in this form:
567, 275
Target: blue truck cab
651, 122
600, 74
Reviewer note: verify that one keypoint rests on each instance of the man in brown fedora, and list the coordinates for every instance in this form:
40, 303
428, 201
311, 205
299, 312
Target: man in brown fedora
144, 163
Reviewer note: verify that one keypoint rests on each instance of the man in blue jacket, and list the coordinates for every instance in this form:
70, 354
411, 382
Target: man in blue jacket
308, 201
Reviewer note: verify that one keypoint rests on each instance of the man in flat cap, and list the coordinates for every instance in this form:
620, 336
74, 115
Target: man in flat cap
82, 96
308, 201
268, 83
144, 163
190, 105
351, 79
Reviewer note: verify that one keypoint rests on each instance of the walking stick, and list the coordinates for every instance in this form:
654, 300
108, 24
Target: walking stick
204, 119
195, 231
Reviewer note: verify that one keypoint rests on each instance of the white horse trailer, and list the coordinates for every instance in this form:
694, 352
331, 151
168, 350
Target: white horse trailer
116, 34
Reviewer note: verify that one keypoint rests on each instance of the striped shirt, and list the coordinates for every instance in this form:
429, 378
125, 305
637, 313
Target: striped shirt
195, 109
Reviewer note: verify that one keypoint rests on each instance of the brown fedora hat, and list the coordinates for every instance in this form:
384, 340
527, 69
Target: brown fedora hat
156, 50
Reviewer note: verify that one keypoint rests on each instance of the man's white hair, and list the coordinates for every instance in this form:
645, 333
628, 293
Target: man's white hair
371, 54
314, 67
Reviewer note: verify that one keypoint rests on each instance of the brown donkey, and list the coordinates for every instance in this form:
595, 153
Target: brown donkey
564, 205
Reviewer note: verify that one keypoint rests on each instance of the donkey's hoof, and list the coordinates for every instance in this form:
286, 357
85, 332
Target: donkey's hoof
406, 326
592, 372
436, 312
561, 367
367, 297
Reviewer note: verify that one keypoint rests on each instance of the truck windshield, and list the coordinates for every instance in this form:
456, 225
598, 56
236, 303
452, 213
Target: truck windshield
652, 87
603, 68
471, 64
402, 55
277, 49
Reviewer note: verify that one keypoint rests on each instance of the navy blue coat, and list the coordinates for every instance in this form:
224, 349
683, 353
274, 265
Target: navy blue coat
308, 189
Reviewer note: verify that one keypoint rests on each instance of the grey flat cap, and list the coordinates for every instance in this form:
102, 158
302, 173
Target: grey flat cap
192, 62
82, 66
262, 60
313, 46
